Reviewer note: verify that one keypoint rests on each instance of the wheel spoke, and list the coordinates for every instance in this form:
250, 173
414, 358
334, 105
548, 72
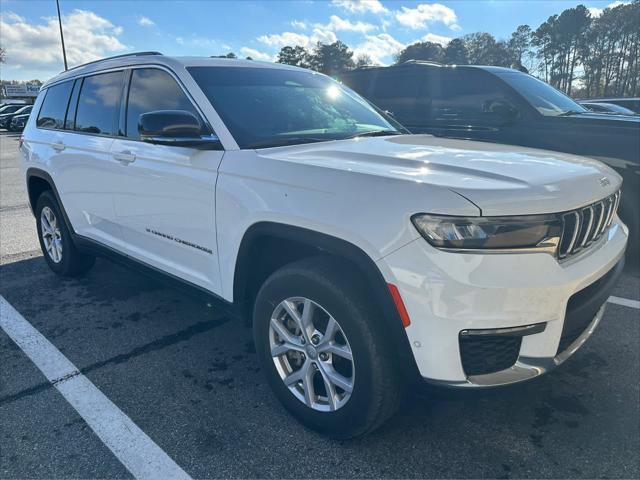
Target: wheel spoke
332, 395
297, 376
284, 334
332, 329
307, 383
341, 350
338, 380
293, 312
307, 317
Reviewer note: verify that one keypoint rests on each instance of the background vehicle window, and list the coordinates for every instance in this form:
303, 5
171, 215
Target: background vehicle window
152, 89
403, 93
98, 103
54, 106
470, 97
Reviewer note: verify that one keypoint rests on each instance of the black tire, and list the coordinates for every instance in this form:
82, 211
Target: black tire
377, 386
72, 262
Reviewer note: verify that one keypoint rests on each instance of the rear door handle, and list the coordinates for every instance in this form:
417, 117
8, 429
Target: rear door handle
58, 146
124, 157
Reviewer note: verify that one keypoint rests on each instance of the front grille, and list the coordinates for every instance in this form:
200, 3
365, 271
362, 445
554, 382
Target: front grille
488, 354
582, 227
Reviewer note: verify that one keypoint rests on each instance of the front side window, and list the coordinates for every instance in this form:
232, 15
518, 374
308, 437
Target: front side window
469, 97
54, 106
153, 89
98, 103
542, 96
267, 107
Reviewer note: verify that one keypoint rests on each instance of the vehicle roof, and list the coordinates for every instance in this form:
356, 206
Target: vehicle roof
154, 58
425, 64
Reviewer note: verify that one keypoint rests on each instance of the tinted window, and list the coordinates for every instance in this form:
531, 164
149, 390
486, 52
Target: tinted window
542, 96
152, 89
98, 103
54, 106
469, 97
264, 107
402, 92
70, 121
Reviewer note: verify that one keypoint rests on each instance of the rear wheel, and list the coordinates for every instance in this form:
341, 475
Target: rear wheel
320, 344
55, 239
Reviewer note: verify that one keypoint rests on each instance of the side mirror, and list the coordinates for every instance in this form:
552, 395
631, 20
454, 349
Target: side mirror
175, 127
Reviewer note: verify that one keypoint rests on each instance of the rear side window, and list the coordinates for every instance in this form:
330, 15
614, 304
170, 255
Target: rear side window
99, 104
54, 106
402, 92
153, 89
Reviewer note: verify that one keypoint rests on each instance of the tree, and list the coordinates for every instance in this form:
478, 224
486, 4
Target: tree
228, 55
332, 58
520, 46
427, 51
485, 50
297, 56
363, 60
3, 55
456, 53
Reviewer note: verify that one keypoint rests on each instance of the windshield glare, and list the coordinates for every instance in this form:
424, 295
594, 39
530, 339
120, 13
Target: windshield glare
542, 96
265, 107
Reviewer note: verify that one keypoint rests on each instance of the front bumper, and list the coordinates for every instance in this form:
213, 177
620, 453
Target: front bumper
449, 293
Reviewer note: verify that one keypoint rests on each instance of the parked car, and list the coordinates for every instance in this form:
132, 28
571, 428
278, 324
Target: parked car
10, 108
610, 108
364, 258
506, 106
7, 116
18, 122
632, 103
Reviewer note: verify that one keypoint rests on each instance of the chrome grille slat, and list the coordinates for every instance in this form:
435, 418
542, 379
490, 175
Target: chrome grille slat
583, 226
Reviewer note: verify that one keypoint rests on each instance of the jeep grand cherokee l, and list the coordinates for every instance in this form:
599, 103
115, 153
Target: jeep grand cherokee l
364, 258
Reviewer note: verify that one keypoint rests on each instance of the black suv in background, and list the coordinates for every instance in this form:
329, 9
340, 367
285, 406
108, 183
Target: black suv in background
506, 106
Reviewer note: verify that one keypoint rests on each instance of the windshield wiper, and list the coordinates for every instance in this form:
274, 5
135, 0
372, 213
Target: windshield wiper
281, 142
376, 133
568, 113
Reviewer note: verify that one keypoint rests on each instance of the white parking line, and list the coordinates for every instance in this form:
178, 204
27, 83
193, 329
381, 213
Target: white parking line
137, 452
624, 302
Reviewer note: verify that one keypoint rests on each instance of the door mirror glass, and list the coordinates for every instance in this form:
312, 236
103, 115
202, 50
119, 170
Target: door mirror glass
175, 127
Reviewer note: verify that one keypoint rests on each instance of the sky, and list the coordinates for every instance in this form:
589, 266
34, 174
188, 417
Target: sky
380, 28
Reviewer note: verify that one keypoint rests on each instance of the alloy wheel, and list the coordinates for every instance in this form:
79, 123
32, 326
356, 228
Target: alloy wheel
51, 234
312, 354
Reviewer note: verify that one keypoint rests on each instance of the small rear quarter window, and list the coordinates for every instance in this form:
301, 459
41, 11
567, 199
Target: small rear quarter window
54, 106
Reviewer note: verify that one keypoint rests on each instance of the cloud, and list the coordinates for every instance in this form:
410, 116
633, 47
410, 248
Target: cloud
427, 13
440, 39
381, 48
596, 12
361, 6
292, 39
256, 54
337, 24
299, 25
146, 22
36, 46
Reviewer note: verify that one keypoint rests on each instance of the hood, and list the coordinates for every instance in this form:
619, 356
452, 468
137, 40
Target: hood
498, 179
608, 119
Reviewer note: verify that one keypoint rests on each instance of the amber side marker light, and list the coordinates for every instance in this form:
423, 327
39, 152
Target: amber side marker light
402, 310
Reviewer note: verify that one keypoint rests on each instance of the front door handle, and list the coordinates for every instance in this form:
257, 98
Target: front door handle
58, 146
124, 157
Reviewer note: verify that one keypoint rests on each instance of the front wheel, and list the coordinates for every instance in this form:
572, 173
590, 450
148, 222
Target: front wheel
320, 343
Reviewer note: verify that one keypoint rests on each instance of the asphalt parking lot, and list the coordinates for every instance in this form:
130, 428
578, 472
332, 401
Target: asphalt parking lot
186, 375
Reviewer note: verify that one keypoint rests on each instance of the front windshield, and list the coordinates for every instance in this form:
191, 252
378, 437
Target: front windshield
10, 108
267, 107
542, 96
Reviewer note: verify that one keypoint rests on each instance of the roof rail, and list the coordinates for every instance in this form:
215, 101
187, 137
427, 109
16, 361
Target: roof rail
133, 54
423, 62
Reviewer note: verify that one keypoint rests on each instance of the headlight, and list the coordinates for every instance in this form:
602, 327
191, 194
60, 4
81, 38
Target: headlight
538, 232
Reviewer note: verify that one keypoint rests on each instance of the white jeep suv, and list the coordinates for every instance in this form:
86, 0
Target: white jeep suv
363, 257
